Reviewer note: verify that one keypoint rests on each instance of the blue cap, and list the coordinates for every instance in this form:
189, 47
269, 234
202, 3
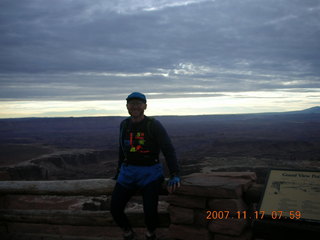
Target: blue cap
137, 95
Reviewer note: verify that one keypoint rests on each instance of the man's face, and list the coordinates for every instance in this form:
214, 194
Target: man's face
136, 108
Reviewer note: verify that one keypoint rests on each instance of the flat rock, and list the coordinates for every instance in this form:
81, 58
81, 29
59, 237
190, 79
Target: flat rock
180, 215
189, 232
230, 205
228, 226
216, 185
187, 201
91, 187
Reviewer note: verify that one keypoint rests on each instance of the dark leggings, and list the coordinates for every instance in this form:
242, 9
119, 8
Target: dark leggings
150, 196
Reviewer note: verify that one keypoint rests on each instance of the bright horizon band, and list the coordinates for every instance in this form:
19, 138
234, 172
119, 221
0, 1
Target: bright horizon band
229, 103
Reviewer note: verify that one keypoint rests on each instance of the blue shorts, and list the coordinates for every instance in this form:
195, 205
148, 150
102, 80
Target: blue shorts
132, 176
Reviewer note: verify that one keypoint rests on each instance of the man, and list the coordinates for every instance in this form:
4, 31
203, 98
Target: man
141, 140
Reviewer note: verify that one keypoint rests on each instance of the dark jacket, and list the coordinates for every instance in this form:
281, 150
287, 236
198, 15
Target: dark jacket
141, 143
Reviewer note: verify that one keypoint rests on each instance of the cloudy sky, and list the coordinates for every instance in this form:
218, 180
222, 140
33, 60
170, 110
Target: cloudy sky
83, 57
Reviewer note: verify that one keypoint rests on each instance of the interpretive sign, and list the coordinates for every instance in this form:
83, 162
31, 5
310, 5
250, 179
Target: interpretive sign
292, 194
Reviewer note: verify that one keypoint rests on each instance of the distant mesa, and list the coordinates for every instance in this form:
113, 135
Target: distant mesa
311, 110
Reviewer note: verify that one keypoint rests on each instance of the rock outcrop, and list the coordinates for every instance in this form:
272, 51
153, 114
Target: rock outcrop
72, 164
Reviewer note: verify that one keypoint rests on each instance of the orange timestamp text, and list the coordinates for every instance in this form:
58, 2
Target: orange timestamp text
214, 215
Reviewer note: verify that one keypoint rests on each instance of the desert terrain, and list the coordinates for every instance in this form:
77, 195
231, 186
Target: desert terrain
87, 147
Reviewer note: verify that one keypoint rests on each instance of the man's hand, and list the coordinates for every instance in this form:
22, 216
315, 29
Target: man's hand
173, 184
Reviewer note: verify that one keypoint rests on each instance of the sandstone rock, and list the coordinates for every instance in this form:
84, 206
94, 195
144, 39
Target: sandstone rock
92, 187
2, 201
228, 226
25, 172
180, 215
200, 217
4, 175
187, 201
244, 175
46, 202
23, 231
3, 228
250, 176
64, 230
230, 205
182, 232
254, 193
211, 185
79, 218
247, 235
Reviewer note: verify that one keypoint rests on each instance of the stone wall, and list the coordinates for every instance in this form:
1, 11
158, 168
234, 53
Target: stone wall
210, 206
213, 206
68, 210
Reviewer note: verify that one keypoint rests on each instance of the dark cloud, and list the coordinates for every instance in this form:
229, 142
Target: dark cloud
102, 49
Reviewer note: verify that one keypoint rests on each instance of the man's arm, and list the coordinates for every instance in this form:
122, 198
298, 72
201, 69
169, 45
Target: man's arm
170, 156
167, 148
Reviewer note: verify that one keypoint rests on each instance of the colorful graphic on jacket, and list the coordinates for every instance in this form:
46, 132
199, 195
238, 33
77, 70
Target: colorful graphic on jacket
137, 142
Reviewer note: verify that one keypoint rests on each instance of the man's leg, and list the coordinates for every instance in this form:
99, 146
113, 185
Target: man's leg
150, 194
119, 200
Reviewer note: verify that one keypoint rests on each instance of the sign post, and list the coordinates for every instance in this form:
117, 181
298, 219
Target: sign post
293, 195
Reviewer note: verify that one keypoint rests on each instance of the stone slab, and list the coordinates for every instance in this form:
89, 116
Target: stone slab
179, 215
251, 177
48, 202
215, 186
92, 231
187, 201
80, 218
78, 232
247, 235
91, 187
244, 175
230, 205
230, 226
200, 218
183, 232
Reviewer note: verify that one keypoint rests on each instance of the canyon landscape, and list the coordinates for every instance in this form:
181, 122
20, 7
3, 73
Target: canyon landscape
87, 147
